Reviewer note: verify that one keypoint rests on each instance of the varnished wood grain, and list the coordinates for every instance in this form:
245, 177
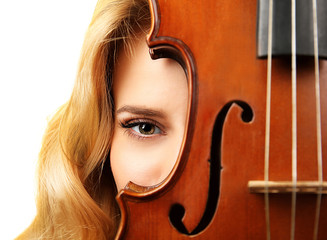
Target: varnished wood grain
219, 53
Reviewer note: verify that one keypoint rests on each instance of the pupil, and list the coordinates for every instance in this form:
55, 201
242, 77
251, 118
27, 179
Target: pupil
146, 128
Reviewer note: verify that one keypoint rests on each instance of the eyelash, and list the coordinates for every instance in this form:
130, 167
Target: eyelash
129, 124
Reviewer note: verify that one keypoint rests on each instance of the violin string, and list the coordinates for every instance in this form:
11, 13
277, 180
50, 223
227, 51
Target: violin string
318, 116
294, 126
268, 111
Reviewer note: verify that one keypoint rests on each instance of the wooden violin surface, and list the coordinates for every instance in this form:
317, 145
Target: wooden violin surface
206, 196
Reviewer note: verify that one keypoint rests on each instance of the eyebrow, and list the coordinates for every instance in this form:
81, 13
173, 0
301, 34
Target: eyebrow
141, 111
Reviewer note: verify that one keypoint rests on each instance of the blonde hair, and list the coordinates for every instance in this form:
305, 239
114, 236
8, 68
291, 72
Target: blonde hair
76, 191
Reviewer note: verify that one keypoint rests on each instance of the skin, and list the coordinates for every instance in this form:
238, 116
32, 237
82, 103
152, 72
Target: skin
150, 113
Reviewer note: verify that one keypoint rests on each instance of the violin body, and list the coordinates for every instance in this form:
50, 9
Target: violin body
206, 196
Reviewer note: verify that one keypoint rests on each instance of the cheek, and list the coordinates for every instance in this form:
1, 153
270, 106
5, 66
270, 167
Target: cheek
143, 162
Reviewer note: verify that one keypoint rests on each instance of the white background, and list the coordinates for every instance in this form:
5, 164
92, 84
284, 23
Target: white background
40, 42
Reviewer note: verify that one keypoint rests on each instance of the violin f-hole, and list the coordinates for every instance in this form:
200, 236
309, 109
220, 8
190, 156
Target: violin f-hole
177, 211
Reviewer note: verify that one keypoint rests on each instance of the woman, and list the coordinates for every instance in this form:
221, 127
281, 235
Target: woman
124, 122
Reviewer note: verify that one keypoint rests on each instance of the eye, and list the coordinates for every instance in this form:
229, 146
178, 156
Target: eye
143, 128
146, 129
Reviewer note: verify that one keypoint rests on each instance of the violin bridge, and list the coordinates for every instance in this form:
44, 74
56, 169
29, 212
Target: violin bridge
308, 187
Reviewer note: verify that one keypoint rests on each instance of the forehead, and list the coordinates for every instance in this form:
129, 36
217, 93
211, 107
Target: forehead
139, 80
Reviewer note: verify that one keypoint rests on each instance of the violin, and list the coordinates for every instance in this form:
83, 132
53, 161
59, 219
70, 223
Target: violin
253, 162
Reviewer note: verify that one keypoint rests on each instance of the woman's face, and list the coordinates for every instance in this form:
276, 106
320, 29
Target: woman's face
150, 113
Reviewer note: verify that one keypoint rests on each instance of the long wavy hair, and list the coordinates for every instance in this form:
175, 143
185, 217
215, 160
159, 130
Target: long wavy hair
75, 190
